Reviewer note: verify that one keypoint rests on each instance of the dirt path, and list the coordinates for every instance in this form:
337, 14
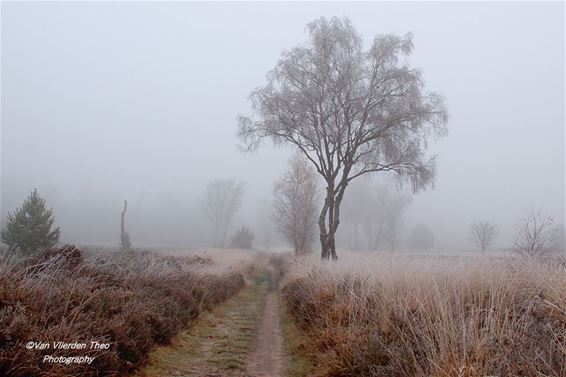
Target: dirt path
240, 338
268, 358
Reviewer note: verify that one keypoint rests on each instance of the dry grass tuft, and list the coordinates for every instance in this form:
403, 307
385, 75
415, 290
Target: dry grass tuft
130, 300
388, 315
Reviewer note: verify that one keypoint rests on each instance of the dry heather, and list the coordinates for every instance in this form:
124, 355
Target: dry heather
387, 315
217, 261
130, 300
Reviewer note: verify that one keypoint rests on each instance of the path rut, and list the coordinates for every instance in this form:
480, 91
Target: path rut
268, 358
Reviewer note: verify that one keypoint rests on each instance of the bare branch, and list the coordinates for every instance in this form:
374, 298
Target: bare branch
350, 112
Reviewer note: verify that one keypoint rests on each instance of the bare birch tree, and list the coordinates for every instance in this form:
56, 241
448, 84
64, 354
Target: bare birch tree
482, 234
421, 238
222, 199
535, 233
559, 238
356, 211
295, 205
395, 206
350, 112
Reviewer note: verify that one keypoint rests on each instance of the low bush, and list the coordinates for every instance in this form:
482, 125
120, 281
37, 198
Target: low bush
131, 301
242, 239
462, 317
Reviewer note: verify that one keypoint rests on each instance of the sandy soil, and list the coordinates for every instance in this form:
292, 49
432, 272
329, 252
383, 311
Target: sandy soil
268, 359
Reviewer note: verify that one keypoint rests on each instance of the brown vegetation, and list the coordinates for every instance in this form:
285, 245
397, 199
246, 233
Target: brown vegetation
427, 316
129, 300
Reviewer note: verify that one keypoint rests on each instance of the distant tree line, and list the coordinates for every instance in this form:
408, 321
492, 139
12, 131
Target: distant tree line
372, 214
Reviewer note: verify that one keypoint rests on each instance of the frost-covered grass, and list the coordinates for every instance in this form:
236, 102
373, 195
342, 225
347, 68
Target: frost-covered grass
424, 315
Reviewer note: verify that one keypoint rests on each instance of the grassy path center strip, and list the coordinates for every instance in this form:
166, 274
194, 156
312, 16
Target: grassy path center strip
219, 342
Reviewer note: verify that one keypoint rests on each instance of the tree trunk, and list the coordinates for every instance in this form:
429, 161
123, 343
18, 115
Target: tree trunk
328, 244
325, 239
330, 210
124, 236
122, 220
332, 246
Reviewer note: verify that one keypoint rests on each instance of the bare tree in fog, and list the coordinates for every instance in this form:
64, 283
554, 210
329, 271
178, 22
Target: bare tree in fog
349, 111
223, 198
559, 238
125, 243
295, 204
355, 211
535, 234
483, 234
420, 238
375, 215
263, 224
377, 210
394, 208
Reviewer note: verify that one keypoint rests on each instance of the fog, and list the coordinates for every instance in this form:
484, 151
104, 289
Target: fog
103, 102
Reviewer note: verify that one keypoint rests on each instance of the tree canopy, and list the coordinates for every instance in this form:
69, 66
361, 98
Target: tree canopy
349, 111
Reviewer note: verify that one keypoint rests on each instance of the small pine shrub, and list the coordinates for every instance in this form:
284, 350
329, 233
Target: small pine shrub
29, 228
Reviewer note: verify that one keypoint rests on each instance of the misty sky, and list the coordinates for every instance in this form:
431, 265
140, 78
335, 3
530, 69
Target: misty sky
103, 102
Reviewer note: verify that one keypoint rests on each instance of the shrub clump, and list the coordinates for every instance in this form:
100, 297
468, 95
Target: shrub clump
129, 300
242, 239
